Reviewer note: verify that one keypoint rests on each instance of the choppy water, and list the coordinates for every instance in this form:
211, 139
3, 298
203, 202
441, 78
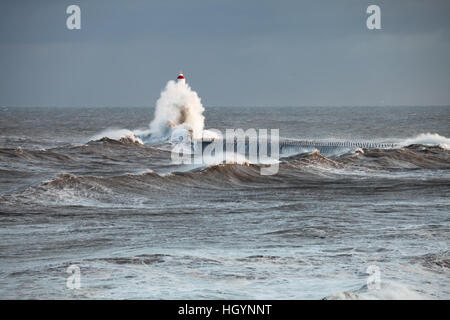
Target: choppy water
139, 226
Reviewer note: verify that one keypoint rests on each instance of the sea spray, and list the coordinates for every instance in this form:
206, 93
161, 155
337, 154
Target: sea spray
178, 106
178, 111
432, 139
117, 134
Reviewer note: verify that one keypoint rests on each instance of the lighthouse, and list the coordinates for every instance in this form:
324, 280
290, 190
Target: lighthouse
181, 78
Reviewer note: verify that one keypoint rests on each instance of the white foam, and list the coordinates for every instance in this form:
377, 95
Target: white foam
117, 134
389, 290
432, 139
225, 158
178, 105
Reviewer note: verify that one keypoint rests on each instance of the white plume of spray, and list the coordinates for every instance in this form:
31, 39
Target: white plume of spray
179, 112
432, 139
178, 107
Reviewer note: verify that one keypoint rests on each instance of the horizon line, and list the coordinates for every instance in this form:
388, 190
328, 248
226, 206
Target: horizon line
237, 106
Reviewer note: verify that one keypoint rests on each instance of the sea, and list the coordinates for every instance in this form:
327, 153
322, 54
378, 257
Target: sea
88, 210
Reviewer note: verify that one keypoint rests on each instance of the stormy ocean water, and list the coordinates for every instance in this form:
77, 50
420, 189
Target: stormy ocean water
79, 187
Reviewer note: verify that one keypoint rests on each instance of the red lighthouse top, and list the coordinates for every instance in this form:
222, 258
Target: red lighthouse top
180, 76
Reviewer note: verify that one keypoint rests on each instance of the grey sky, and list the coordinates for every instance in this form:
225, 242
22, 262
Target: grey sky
270, 53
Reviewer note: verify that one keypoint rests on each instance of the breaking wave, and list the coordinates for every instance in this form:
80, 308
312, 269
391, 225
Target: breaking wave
388, 290
430, 139
178, 113
407, 164
117, 134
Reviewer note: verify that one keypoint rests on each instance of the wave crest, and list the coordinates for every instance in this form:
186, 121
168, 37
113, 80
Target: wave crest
123, 135
430, 139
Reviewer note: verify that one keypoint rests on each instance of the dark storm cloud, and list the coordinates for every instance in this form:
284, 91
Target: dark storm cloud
233, 52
